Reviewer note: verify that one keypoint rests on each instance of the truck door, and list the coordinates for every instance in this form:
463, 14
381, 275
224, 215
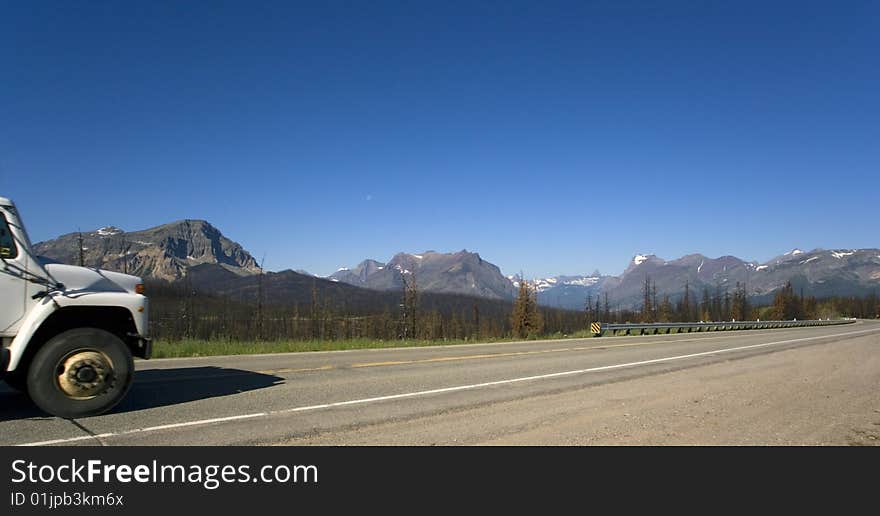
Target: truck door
13, 287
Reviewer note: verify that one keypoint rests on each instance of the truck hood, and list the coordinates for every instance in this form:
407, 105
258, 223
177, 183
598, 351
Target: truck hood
82, 279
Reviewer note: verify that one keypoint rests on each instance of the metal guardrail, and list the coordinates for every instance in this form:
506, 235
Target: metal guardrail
605, 329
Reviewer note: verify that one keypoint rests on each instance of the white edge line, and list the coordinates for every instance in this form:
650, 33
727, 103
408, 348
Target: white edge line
436, 391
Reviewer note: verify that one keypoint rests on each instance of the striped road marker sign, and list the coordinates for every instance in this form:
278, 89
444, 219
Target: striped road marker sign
596, 328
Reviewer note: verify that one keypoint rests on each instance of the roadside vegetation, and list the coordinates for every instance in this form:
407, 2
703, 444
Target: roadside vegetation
187, 323
203, 348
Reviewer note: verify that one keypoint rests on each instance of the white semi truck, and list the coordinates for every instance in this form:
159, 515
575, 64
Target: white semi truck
69, 334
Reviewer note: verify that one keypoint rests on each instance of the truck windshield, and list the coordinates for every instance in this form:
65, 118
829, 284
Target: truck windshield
7, 244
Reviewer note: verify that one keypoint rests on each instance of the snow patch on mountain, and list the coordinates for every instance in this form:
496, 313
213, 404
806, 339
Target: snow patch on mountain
544, 284
584, 282
108, 231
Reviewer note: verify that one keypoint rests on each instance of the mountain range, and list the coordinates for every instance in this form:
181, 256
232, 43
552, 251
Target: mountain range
819, 272
196, 251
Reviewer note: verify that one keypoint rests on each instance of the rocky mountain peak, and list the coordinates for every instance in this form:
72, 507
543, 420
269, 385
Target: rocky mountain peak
461, 272
163, 252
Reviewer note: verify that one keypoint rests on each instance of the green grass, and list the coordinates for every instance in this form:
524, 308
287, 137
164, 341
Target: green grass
205, 348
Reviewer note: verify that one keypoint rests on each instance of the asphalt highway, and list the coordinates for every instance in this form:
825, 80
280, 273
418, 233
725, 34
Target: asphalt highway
304, 397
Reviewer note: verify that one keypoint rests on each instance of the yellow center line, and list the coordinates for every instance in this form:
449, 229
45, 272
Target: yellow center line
303, 370
597, 347
534, 352
464, 357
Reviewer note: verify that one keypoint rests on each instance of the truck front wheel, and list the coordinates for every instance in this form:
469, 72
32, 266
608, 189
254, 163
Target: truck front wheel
80, 373
16, 380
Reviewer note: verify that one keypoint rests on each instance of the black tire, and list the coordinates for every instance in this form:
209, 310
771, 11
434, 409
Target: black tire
17, 380
42, 377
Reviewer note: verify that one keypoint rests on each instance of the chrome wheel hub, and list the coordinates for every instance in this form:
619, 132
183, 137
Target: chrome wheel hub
85, 374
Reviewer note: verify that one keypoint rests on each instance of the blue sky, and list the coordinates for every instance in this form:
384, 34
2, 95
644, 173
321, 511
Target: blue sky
553, 138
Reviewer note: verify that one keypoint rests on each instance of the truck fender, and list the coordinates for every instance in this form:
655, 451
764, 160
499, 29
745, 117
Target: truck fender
29, 326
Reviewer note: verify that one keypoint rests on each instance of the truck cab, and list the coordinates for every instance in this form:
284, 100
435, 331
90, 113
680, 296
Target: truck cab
68, 335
